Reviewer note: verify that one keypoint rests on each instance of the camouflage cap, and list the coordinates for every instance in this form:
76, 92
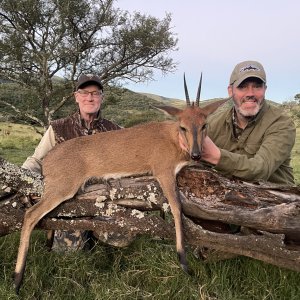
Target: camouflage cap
89, 79
247, 69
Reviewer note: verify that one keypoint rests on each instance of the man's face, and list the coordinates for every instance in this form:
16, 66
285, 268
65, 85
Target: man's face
89, 99
248, 97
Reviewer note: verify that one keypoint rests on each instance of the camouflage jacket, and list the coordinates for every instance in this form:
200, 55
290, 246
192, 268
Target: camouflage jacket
64, 129
73, 126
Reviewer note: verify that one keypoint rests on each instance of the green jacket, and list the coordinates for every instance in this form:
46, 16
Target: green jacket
262, 152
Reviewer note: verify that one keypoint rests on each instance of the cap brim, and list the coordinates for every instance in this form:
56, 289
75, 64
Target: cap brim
90, 82
238, 82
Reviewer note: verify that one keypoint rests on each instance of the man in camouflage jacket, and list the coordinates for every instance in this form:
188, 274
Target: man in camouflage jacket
87, 121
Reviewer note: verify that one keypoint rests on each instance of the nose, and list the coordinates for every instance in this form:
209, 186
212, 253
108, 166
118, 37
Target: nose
196, 156
196, 149
250, 91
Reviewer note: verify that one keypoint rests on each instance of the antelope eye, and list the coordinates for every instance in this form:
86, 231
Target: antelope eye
204, 126
182, 128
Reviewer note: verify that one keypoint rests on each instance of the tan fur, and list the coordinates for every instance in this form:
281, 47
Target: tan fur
150, 148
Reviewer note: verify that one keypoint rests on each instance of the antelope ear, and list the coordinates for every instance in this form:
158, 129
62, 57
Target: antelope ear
168, 110
210, 108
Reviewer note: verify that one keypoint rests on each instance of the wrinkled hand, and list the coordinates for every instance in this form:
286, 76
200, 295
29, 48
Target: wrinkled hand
210, 152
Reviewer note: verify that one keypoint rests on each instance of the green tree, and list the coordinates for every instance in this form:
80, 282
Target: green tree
43, 39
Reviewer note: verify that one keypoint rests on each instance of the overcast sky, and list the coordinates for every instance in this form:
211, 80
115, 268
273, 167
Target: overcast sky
215, 35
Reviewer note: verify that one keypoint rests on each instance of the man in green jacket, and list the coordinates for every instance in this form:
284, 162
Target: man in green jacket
249, 138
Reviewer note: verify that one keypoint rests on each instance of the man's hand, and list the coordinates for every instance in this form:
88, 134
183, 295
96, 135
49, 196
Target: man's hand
210, 152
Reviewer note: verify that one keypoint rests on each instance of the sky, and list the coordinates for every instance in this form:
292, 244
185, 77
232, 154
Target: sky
215, 35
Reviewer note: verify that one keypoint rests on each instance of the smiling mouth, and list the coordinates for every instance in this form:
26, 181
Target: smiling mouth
250, 100
249, 103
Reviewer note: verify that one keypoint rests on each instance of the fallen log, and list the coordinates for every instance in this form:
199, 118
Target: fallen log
259, 220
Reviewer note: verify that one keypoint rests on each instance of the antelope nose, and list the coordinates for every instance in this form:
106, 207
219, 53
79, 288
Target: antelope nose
196, 156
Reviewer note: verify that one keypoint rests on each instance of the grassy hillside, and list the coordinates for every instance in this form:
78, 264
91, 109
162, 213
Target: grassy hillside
169, 101
17, 141
128, 108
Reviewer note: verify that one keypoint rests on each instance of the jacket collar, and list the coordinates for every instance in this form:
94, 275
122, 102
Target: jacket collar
83, 122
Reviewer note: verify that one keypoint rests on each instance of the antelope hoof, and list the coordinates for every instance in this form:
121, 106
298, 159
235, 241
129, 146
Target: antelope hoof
183, 262
17, 282
185, 268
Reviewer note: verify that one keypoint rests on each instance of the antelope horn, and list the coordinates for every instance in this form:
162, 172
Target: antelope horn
187, 98
199, 91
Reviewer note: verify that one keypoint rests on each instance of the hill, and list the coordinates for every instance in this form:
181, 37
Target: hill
128, 108
168, 101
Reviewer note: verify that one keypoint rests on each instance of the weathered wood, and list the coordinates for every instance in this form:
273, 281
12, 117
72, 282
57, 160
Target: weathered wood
264, 246
13, 178
268, 216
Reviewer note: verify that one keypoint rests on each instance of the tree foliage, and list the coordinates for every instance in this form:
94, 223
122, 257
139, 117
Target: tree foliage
43, 39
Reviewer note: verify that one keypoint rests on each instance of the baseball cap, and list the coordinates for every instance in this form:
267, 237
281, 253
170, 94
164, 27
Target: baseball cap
246, 69
85, 80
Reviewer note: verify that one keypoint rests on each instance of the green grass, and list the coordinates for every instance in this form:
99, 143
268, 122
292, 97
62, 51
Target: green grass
147, 269
17, 142
296, 157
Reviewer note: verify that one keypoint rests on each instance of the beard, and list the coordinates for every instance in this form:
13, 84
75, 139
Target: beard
248, 107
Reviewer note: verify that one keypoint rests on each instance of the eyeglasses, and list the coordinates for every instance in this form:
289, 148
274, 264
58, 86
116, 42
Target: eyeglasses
85, 93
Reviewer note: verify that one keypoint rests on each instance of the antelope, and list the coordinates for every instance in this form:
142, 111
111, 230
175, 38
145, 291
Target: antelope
157, 148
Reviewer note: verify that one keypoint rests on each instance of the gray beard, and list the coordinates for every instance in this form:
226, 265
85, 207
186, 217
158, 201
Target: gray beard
249, 117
